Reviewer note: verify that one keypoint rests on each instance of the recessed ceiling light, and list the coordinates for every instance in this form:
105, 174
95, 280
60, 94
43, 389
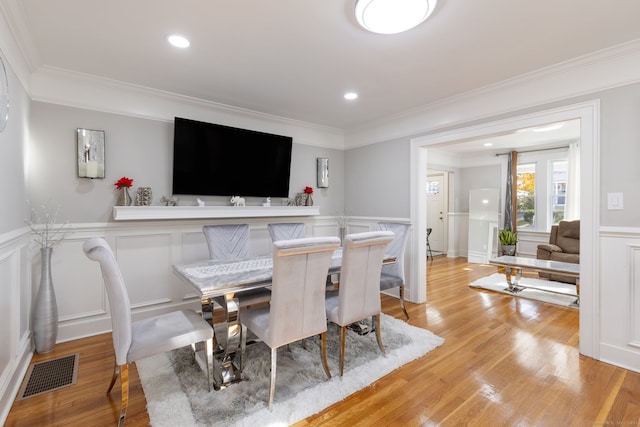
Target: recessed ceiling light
548, 128
488, 144
393, 16
350, 96
178, 41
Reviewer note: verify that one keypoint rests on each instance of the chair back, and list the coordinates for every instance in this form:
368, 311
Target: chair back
300, 269
98, 249
287, 231
359, 291
227, 241
396, 248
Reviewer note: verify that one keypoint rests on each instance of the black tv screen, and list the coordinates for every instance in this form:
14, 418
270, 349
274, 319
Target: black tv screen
216, 160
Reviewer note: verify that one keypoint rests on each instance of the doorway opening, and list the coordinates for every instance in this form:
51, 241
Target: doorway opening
588, 115
437, 209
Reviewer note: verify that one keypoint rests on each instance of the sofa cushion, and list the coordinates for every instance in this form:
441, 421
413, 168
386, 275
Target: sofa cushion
565, 257
569, 236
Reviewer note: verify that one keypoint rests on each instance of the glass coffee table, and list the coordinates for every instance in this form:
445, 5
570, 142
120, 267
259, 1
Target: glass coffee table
514, 265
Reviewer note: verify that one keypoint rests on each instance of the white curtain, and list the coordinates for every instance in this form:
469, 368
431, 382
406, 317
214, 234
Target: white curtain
572, 201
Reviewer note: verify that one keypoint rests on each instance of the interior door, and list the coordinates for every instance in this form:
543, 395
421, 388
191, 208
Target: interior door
436, 198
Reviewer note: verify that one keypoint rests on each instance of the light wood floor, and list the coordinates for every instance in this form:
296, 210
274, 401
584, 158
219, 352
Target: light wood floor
506, 362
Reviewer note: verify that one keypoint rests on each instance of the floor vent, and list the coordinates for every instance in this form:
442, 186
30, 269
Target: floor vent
43, 377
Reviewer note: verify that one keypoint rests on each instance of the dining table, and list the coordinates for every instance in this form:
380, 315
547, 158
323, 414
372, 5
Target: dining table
230, 285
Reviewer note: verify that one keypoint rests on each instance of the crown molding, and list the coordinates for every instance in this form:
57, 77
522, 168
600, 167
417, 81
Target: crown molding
602, 70
73, 89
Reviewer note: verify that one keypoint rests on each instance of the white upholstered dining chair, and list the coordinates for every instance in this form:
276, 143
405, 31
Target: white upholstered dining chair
358, 296
297, 309
286, 230
133, 341
392, 275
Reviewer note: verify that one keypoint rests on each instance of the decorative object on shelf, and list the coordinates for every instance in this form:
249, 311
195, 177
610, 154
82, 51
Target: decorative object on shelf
305, 198
308, 191
237, 201
289, 201
200, 202
144, 196
323, 172
267, 203
48, 233
90, 153
123, 185
508, 240
169, 201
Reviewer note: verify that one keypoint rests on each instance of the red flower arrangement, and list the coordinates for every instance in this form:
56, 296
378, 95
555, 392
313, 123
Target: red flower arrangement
124, 182
308, 190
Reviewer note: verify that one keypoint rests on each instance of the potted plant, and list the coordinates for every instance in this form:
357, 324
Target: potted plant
508, 240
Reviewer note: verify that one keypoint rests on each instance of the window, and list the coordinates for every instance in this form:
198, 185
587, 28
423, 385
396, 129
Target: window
541, 188
526, 195
433, 188
558, 193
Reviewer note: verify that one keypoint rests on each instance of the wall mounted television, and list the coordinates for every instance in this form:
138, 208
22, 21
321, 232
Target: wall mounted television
216, 160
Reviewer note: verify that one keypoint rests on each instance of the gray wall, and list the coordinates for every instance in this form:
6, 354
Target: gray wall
620, 154
141, 149
475, 178
377, 177
13, 208
377, 180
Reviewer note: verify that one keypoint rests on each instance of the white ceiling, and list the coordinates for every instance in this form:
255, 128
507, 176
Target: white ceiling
296, 59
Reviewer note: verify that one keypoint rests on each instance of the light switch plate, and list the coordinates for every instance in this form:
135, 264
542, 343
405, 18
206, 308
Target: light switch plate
615, 201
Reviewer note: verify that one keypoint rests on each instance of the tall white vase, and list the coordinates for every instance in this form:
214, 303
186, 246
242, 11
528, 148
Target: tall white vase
45, 308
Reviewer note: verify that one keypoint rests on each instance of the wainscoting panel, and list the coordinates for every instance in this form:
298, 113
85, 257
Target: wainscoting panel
16, 349
325, 229
458, 234
9, 316
145, 261
146, 252
634, 300
194, 247
76, 299
619, 302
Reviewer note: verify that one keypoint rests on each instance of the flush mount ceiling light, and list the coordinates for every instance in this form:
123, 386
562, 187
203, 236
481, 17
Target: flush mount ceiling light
178, 41
393, 16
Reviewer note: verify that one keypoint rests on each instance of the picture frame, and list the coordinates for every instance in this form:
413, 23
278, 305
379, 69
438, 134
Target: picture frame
90, 153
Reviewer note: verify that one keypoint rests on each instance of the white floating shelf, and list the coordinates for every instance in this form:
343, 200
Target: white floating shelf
121, 213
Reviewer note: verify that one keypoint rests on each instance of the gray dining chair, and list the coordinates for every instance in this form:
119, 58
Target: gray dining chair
297, 309
286, 230
392, 275
227, 241
358, 296
135, 340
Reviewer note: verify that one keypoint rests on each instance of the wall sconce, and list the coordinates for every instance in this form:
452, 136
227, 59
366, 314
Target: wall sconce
90, 153
323, 172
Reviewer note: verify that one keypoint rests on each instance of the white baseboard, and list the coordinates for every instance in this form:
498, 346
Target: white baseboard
9, 390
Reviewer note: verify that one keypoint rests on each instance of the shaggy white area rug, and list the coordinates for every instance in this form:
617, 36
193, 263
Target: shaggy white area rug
563, 294
177, 393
